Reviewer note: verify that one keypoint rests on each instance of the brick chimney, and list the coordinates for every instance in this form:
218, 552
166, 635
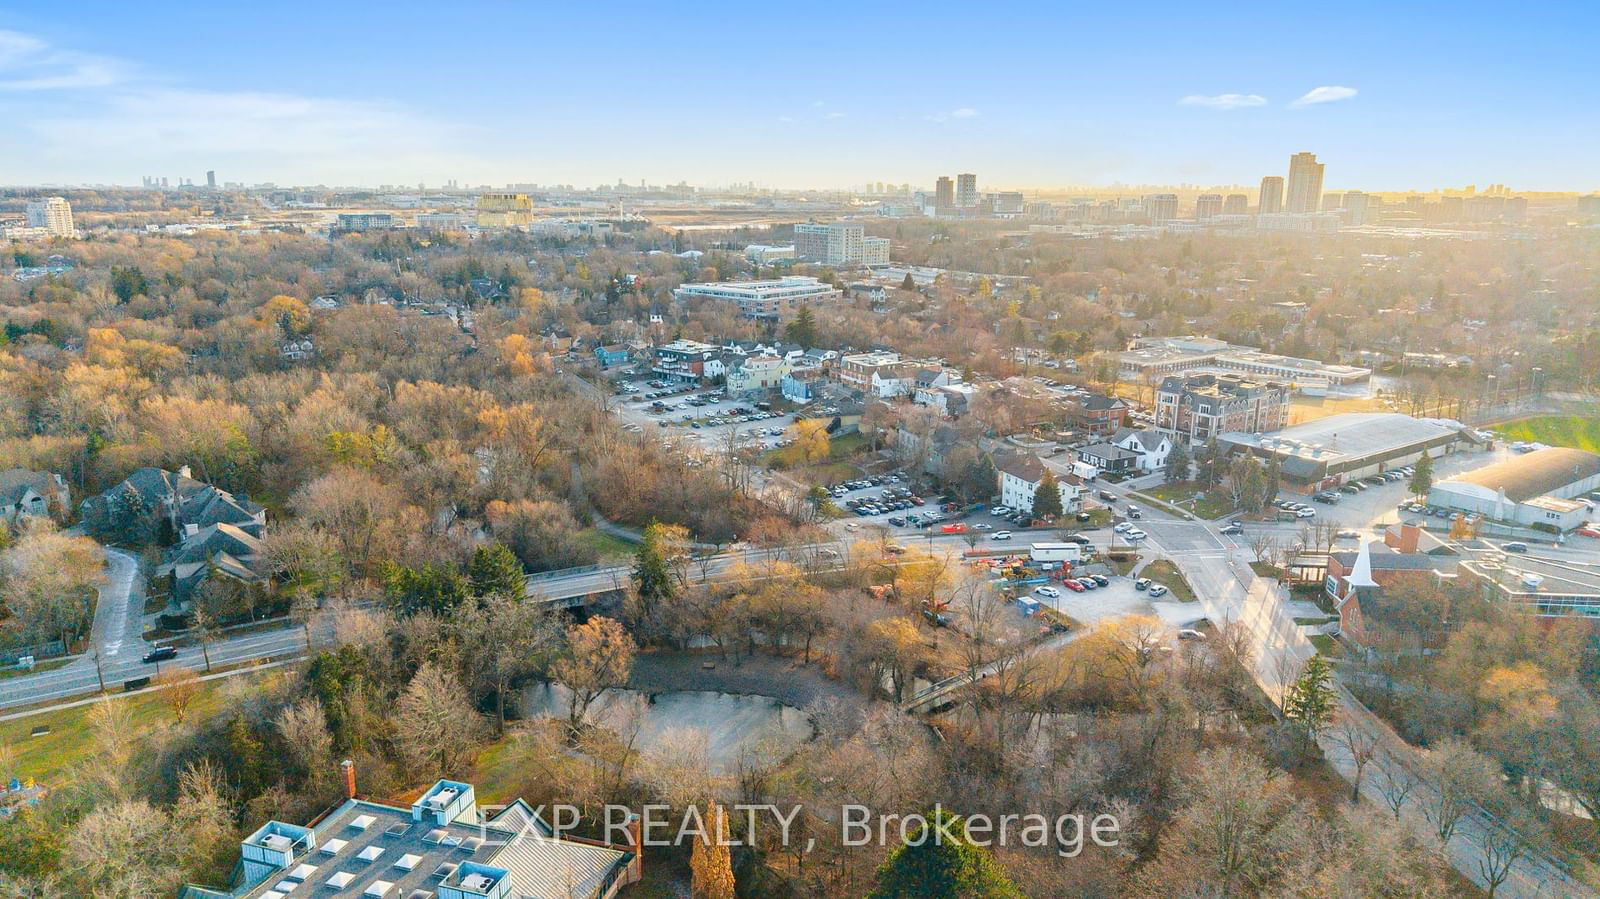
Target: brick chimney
348, 769
1406, 541
636, 868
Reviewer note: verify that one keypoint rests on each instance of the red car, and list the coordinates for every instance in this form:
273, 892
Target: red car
1072, 585
1587, 532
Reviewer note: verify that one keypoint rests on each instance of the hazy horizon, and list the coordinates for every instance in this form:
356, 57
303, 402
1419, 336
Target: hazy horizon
819, 99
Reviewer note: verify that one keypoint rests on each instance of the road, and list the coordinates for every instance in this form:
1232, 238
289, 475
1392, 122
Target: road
1218, 569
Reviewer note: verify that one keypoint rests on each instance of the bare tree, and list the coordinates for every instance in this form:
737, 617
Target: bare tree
1395, 782
599, 656
1359, 743
435, 720
179, 687
1457, 776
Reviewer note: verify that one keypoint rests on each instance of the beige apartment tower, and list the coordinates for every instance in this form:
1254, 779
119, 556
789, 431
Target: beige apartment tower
1271, 195
1305, 183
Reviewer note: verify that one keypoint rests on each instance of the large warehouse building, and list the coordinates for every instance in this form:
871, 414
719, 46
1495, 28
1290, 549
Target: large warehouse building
1325, 453
1535, 489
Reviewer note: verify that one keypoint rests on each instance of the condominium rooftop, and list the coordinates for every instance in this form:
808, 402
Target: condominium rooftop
442, 846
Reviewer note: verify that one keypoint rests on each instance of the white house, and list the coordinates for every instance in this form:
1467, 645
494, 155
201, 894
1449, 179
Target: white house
1020, 474
895, 381
1152, 447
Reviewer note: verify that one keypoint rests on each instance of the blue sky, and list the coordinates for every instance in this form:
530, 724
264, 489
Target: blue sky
801, 94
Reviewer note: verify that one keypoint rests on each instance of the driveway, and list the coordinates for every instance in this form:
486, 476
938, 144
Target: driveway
119, 613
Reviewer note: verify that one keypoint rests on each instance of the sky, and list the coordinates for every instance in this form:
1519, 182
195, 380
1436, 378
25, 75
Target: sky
1390, 96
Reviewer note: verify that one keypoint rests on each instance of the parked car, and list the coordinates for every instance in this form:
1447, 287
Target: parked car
1000, 535
160, 654
1142, 584
1190, 633
1101, 579
983, 527
1303, 512
1157, 590
1072, 585
1588, 531
1087, 583
1049, 592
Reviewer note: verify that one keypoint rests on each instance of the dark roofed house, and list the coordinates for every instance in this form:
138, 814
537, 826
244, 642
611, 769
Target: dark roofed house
1108, 458
25, 493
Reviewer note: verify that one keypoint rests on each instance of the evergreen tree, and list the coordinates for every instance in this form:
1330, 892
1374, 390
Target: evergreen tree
908, 283
1047, 497
941, 864
1178, 462
1422, 477
652, 577
1310, 701
495, 570
803, 330
710, 862
437, 588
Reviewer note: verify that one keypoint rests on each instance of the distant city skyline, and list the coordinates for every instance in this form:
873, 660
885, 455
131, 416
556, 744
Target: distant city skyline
333, 94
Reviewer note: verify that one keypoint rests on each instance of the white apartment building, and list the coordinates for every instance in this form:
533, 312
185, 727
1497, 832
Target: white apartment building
839, 244
54, 215
773, 300
857, 369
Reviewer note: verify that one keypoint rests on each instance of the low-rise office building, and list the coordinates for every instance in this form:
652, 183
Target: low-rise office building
773, 300
1152, 357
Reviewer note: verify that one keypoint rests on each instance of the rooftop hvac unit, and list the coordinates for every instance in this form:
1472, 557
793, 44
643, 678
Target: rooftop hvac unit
277, 842
1531, 580
477, 883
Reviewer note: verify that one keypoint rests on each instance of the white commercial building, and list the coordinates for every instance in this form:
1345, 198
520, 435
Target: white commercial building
1020, 475
1534, 489
1159, 356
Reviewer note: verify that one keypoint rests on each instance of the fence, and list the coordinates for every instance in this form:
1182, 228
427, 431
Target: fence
40, 651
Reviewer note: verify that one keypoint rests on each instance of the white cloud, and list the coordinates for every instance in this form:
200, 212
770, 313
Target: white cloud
103, 108
1325, 94
29, 64
1223, 101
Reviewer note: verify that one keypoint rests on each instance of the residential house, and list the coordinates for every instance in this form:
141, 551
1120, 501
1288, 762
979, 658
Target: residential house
156, 495
758, 374
856, 370
615, 354
954, 400
891, 381
1019, 477
1107, 458
443, 844
1097, 414
217, 549
800, 384
32, 494
1152, 447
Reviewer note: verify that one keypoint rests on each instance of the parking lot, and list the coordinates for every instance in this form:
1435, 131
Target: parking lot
1378, 505
1117, 599
705, 416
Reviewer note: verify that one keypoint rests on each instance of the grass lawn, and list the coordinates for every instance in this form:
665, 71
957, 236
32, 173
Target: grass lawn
1167, 575
1325, 645
605, 545
71, 738
1577, 431
1192, 497
1262, 569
